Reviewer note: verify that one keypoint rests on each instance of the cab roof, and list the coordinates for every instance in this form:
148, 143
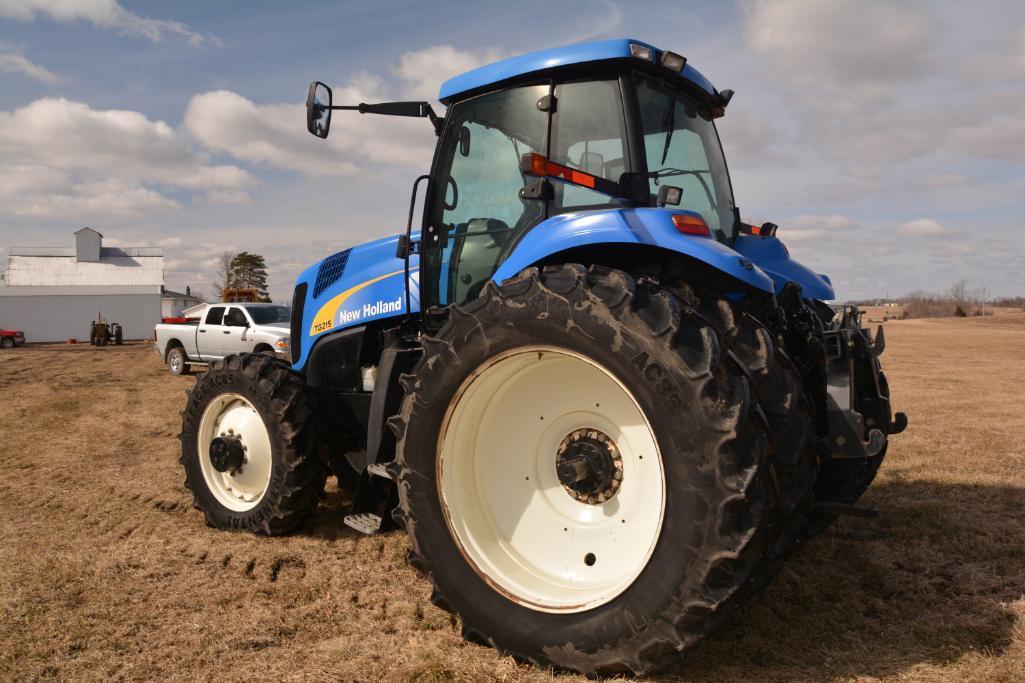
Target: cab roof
534, 62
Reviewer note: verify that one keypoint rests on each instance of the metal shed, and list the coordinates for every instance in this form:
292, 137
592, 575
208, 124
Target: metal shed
53, 293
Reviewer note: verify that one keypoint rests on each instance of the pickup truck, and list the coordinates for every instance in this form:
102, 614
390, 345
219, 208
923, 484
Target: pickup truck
213, 331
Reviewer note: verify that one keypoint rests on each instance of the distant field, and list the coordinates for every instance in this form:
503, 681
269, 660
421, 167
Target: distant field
106, 571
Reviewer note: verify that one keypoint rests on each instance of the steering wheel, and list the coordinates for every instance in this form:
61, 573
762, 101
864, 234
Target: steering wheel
455, 195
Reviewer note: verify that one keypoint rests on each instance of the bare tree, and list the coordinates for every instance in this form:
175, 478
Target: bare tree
224, 274
958, 296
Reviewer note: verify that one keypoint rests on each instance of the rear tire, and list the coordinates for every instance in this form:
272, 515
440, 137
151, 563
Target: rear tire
7, 343
722, 529
261, 406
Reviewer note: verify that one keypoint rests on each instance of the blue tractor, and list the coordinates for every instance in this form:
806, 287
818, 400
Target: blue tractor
603, 407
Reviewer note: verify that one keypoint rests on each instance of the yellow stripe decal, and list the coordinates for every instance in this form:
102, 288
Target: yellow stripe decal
325, 319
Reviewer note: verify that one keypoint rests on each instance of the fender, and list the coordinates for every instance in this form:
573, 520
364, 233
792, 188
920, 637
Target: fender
649, 226
771, 255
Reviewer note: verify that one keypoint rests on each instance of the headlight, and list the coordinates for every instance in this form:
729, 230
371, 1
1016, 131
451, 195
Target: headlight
282, 343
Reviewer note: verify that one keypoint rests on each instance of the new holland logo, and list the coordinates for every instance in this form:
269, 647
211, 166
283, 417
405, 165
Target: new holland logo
369, 311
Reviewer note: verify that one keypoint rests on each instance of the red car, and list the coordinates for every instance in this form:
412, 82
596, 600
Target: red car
11, 338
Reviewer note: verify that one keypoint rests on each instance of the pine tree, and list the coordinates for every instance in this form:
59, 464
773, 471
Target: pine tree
249, 271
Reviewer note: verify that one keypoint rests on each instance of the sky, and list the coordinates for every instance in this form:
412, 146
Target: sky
885, 138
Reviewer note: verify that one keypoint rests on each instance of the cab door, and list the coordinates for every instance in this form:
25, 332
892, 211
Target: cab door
208, 334
233, 337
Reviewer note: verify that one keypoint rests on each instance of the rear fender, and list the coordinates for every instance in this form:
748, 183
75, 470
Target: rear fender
641, 226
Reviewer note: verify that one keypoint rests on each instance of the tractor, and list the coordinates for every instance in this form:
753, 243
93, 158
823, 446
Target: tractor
603, 407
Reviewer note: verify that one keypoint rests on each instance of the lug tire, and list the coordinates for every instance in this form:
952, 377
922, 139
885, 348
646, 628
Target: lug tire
177, 363
297, 472
7, 343
727, 519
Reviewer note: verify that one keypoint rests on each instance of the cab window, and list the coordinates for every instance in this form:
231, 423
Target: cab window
588, 135
236, 318
214, 315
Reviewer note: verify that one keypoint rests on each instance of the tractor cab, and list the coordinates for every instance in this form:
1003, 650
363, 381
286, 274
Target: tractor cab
611, 125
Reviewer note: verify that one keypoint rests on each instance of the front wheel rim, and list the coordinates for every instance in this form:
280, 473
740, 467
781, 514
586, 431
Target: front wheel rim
240, 489
522, 526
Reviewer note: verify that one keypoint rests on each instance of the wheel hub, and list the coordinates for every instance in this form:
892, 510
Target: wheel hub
589, 466
226, 453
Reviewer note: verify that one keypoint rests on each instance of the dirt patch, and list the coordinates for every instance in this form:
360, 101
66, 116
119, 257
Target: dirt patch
106, 571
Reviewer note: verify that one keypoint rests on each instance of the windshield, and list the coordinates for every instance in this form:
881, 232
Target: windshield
266, 315
682, 149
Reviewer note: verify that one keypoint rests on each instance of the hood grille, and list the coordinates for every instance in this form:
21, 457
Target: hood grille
331, 269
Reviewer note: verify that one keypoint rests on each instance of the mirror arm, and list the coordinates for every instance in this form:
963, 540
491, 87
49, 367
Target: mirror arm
426, 111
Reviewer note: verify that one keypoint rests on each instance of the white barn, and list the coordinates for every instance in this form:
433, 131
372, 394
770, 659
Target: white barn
54, 293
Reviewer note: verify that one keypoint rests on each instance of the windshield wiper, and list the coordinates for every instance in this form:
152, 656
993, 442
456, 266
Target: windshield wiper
669, 125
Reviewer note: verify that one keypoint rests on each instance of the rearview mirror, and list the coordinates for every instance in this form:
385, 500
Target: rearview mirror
318, 109
464, 141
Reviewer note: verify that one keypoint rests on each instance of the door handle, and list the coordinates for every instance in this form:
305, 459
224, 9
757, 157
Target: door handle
202, 331
227, 331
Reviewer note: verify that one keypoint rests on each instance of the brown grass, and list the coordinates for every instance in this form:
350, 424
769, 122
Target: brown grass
107, 572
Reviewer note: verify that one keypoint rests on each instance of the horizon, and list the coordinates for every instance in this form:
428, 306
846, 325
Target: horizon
182, 126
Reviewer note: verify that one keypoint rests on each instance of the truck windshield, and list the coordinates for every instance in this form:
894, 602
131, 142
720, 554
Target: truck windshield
265, 315
682, 148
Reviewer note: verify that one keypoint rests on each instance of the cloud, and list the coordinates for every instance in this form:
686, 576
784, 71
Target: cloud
923, 227
102, 14
14, 62
275, 135
423, 71
943, 181
832, 223
1005, 63
64, 159
859, 42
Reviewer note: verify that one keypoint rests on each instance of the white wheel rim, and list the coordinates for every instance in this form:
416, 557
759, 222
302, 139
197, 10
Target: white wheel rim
241, 489
514, 521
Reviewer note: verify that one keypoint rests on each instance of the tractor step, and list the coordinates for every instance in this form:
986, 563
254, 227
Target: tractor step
364, 522
846, 509
379, 469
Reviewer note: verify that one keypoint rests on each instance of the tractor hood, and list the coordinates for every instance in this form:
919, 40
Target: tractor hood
351, 288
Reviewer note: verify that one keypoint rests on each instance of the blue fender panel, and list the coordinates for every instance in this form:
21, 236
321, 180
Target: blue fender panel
369, 288
769, 254
650, 226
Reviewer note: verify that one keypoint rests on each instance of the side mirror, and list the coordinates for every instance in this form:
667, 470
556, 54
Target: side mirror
464, 141
318, 109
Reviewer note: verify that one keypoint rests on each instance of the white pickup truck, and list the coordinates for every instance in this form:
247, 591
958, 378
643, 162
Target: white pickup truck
214, 331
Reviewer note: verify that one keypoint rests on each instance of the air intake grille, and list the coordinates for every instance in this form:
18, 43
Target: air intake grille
330, 270
296, 324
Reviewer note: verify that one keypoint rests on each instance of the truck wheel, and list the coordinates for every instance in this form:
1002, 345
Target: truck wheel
177, 362
250, 446
7, 343
584, 471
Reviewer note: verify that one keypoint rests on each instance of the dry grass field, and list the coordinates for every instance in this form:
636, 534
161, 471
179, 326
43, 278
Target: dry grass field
106, 571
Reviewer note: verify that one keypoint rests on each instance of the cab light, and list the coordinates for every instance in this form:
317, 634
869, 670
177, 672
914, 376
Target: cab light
640, 52
673, 61
689, 224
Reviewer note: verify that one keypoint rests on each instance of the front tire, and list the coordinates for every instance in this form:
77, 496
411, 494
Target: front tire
629, 578
7, 343
251, 447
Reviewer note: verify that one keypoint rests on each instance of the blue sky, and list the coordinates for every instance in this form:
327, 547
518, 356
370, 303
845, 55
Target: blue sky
886, 138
